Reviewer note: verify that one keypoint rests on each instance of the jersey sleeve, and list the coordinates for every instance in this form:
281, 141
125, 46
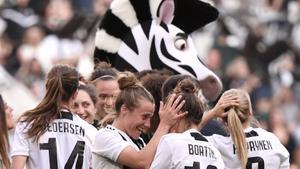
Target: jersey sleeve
214, 139
219, 163
91, 134
282, 152
109, 144
20, 144
163, 156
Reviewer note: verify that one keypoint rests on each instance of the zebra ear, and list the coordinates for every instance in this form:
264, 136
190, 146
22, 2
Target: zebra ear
166, 11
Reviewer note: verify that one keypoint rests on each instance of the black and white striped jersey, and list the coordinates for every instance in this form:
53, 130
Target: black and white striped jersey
264, 150
109, 143
188, 150
67, 143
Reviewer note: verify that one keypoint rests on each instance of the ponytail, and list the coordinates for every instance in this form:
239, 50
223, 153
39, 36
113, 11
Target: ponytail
61, 83
238, 136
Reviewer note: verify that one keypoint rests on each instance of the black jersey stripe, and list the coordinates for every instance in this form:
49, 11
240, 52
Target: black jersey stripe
252, 133
198, 136
66, 115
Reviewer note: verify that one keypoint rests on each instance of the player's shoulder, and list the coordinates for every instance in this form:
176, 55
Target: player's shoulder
22, 126
108, 132
264, 133
83, 123
177, 136
190, 134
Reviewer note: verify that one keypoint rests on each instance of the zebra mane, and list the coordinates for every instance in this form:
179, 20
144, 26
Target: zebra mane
123, 15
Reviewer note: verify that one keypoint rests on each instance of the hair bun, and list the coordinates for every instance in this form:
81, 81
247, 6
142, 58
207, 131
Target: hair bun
127, 80
186, 86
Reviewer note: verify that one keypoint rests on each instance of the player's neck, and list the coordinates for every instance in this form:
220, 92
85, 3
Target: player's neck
246, 124
66, 106
119, 125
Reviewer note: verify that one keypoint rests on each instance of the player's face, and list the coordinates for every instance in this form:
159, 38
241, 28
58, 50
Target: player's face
9, 116
139, 119
107, 91
84, 107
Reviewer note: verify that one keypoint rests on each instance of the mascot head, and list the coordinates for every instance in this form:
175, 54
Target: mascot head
138, 35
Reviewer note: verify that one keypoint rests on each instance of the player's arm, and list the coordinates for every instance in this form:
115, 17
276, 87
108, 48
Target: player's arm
219, 109
163, 156
20, 147
18, 162
284, 156
143, 158
285, 164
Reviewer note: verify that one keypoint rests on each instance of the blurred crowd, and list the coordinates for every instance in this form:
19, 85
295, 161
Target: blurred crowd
254, 45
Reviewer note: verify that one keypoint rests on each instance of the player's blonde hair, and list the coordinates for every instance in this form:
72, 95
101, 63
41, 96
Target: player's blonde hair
237, 115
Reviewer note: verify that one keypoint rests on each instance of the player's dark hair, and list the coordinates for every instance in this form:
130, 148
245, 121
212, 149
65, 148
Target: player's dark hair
91, 91
153, 80
195, 108
104, 71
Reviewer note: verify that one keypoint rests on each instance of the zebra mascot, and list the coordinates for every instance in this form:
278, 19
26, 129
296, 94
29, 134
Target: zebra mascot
140, 35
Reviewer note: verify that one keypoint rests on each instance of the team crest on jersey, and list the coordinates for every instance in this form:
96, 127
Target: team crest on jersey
138, 35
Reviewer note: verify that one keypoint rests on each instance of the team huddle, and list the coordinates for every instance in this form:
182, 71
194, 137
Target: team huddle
152, 119
59, 138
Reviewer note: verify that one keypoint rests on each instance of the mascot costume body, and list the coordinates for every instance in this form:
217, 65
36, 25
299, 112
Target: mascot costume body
138, 35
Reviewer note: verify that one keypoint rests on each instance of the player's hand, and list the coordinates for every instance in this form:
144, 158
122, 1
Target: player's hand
225, 102
170, 112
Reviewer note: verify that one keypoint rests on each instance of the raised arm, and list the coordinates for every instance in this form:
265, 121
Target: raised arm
219, 109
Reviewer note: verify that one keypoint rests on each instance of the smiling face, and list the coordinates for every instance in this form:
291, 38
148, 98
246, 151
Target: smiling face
84, 107
107, 91
139, 119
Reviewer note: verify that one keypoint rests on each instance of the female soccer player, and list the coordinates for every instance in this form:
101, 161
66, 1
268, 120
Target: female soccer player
119, 146
85, 103
247, 147
50, 136
187, 147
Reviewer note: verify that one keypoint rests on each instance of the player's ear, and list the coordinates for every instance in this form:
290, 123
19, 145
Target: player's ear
124, 109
